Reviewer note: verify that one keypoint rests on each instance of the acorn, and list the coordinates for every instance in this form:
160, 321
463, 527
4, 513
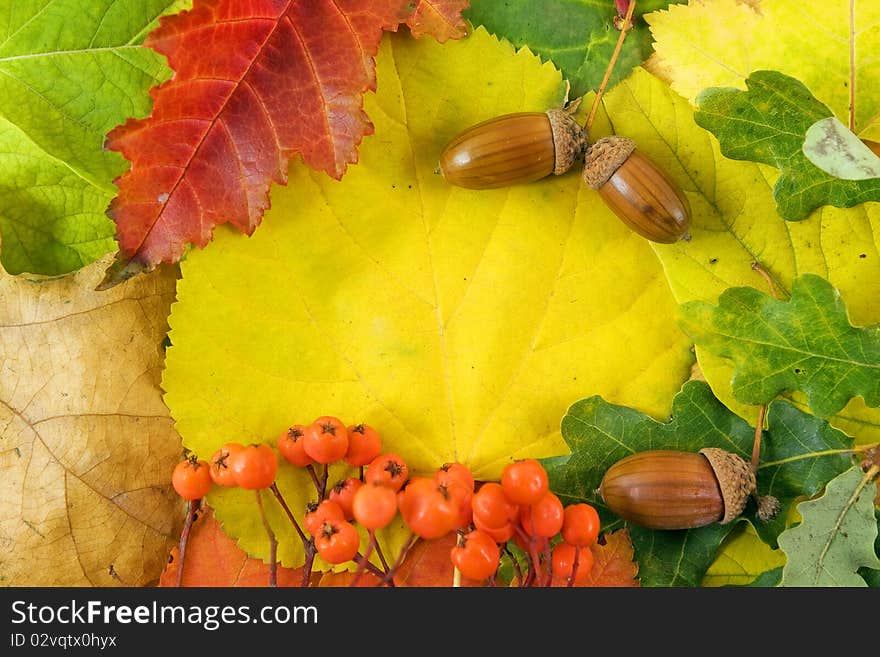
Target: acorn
513, 149
638, 191
671, 489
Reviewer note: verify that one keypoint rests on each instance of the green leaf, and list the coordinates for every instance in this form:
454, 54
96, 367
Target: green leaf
577, 36
69, 72
806, 343
836, 536
799, 454
768, 124
768, 579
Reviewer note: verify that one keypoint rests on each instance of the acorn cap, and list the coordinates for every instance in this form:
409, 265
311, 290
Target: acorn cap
605, 157
569, 139
735, 477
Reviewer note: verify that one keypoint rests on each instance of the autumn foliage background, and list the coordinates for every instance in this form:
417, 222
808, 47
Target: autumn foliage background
222, 218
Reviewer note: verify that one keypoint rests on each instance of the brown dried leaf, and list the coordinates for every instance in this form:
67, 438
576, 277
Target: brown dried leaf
86, 444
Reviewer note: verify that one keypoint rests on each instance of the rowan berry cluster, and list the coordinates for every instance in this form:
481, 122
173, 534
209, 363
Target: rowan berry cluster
554, 540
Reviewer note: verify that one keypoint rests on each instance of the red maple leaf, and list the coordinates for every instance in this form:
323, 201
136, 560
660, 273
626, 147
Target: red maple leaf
255, 84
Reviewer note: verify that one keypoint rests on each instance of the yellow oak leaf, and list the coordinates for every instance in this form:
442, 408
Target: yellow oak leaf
459, 323
86, 443
742, 558
826, 45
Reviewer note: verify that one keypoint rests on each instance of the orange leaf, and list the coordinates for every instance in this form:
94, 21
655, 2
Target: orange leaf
255, 84
213, 559
346, 577
427, 564
613, 564
440, 18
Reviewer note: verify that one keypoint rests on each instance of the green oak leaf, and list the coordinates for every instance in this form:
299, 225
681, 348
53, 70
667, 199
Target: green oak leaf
799, 454
806, 343
578, 36
835, 537
768, 124
599, 434
70, 71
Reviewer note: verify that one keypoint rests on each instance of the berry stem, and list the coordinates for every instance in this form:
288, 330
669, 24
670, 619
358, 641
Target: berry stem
549, 577
311, 551
283, 503
574, 566
624, 28
273, 542
315, 480
322, 490
389, 576
378, 572
536, 573
381, 556
191, 509
363, 559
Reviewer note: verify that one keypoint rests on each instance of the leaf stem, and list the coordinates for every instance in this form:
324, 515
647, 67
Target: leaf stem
759, 431
852, 65
273, 542
775, 288
624, 28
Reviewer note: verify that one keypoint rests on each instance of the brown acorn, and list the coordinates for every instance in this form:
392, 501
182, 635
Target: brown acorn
671, 489
638, 191
512, 149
